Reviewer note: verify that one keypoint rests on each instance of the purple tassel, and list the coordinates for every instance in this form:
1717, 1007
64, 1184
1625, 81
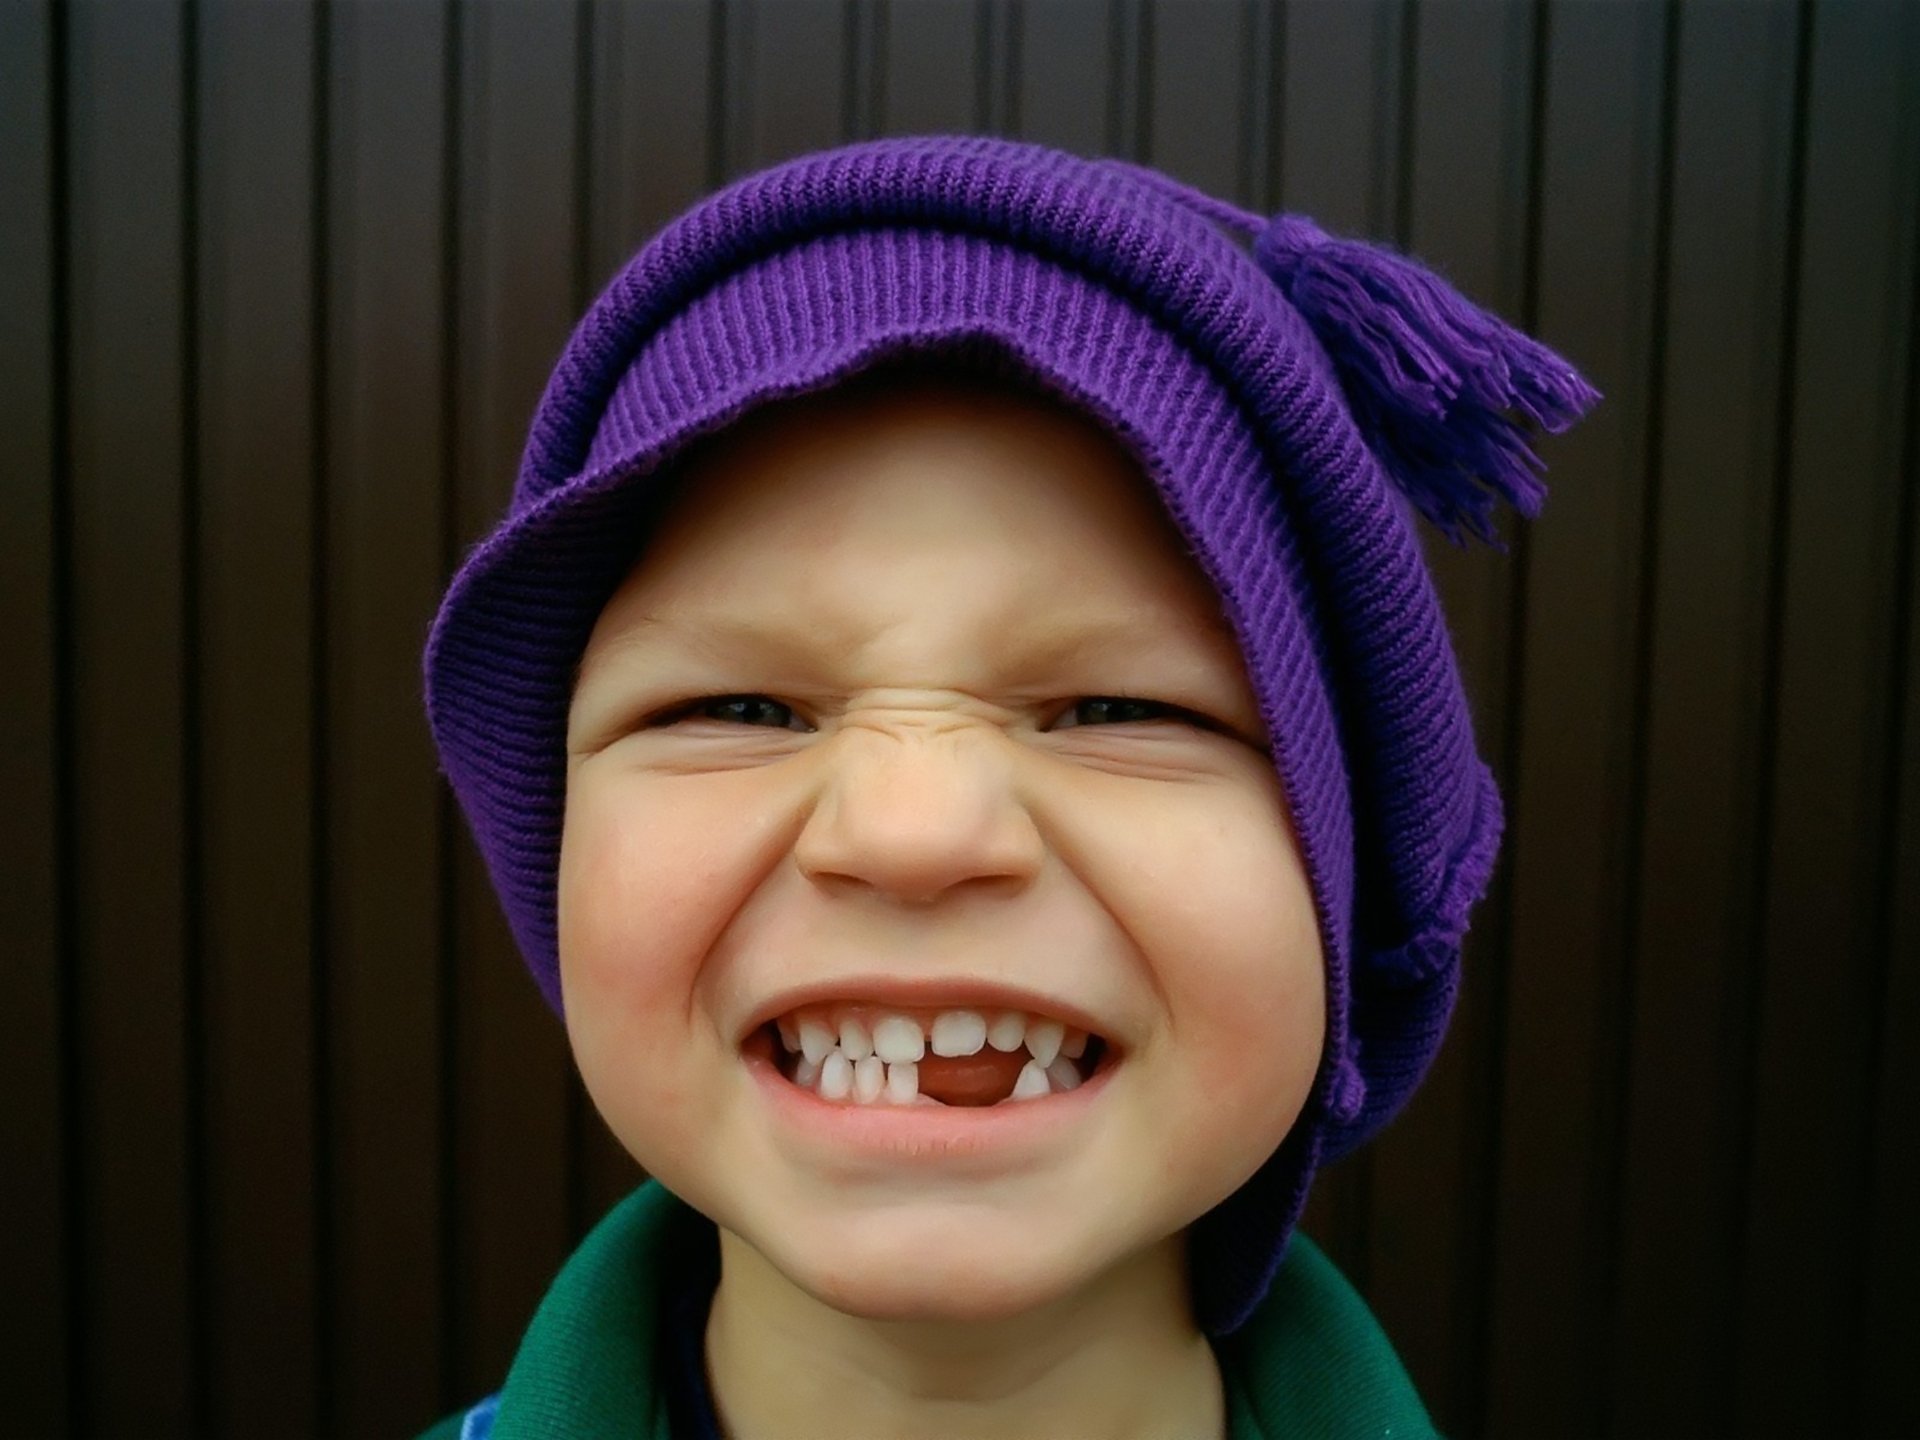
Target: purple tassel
1429, 374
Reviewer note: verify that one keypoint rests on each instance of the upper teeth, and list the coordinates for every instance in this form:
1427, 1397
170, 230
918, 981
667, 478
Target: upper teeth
901, 1039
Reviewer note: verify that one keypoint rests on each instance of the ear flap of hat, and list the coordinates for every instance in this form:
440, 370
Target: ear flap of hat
1403, 996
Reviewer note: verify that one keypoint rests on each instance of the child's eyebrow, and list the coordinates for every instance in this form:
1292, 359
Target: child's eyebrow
1090, 637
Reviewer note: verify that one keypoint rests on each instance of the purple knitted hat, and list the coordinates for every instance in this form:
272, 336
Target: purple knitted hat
1293, 399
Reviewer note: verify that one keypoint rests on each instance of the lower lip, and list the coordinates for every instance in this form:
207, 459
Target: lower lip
925, 1134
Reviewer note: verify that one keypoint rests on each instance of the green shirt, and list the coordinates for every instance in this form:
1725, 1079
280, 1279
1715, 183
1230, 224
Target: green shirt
1311, 1361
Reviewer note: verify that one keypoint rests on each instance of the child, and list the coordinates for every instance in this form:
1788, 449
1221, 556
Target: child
963, 734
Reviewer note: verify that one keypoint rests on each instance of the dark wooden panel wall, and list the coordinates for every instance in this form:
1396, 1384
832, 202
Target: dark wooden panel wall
288, 1144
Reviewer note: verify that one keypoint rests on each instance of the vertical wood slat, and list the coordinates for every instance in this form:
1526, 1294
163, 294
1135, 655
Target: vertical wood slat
1669, 1330
34, 1123
384, 1329
788, 67
652, 142
931, 68
515, 246
1000, 66
256, 428
1201, 70
134, 1190
1339, 134
1129, 30
1465, 191
1569, 799
1888, 1324
1061, 89
1828, 776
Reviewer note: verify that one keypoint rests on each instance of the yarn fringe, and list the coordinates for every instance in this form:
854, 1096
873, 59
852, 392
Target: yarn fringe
1430, 376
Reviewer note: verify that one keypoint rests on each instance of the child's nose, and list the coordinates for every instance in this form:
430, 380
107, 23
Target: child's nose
915, 812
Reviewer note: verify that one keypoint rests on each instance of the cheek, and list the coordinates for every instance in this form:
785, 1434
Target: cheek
646, 885
1265, 1003
1225, 897
640, 900
1222, 909
1246, 987
641, 876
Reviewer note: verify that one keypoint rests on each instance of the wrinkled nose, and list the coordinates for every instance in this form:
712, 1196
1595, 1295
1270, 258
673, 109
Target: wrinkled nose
914, 813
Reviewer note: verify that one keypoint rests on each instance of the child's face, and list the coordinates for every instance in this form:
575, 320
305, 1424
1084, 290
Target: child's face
919, 798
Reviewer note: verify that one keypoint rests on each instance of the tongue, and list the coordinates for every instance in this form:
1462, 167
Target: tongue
983, 1079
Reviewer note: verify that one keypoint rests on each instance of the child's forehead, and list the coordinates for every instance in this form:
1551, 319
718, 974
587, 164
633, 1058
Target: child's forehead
992, 608
915, 392
1044, 551
921, 467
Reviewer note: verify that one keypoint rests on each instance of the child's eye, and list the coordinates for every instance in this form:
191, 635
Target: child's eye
764, 712
756, 710
1120, 710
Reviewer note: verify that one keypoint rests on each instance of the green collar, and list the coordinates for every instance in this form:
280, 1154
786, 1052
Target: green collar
1311, 1362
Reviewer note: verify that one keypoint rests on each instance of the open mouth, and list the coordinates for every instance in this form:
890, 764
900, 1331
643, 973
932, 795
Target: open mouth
870, 1057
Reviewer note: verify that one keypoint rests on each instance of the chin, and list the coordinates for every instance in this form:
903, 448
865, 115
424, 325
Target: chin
956, 1270
892, 1295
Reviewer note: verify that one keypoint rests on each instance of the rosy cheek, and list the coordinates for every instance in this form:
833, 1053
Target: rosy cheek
608, 857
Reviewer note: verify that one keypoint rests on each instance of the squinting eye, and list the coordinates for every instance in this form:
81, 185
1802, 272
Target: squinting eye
755, 710
763, 712
1119, 710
